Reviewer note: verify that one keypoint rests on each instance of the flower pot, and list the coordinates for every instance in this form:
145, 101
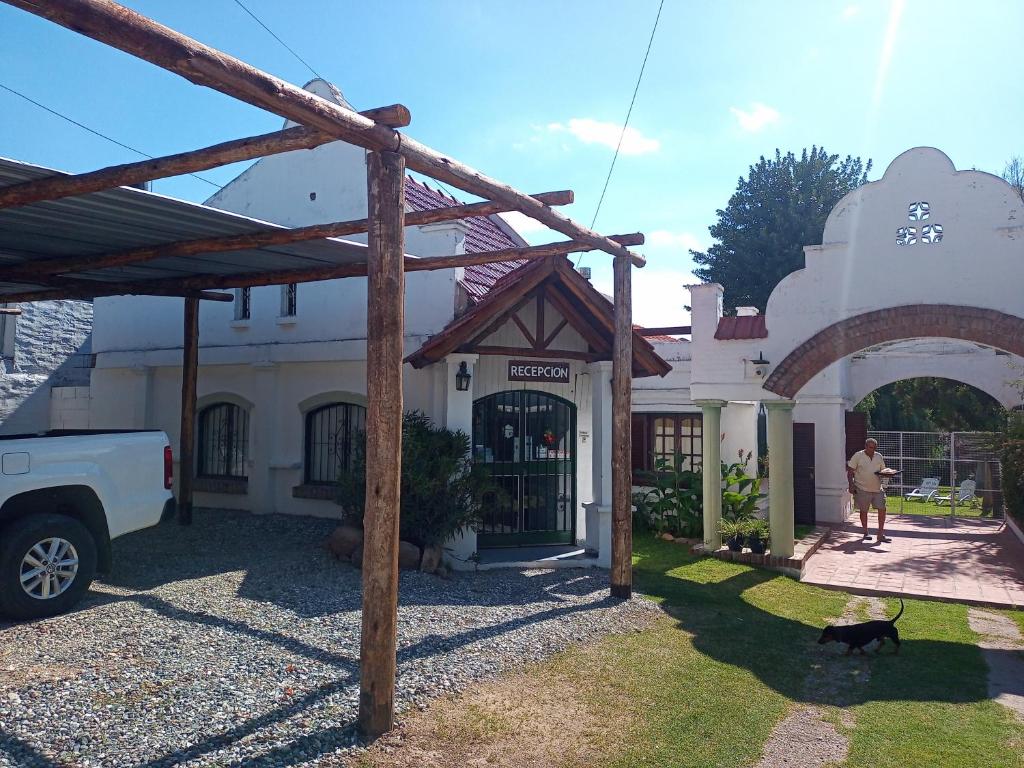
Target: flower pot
734, 543
757, 546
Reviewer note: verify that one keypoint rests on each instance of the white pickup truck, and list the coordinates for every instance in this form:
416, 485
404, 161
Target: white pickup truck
63, 497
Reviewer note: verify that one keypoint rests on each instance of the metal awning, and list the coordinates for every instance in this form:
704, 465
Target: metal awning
126, 218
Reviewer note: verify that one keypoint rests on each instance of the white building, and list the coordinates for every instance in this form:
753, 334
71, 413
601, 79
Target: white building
281, 385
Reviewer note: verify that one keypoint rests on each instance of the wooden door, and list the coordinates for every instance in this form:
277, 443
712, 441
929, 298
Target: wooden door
803, 473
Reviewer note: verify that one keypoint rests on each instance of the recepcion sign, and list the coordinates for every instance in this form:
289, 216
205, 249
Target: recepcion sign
535, 370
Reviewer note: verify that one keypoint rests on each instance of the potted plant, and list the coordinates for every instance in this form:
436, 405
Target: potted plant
733, 533
758, 536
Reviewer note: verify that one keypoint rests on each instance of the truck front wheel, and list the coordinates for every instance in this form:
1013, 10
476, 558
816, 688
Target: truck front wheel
47, 563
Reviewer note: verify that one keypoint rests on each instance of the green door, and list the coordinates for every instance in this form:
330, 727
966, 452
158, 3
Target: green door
527, 440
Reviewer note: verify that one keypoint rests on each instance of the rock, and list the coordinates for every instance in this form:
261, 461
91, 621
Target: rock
668, 537
431, 558
408, 556
356, 558
343, 541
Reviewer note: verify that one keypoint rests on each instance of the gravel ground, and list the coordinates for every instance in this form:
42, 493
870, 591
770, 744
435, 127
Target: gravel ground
236, 642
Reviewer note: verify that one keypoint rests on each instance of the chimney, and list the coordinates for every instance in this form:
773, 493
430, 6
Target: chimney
747, 311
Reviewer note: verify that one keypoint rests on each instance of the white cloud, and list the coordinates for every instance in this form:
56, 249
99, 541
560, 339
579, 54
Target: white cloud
850, 11
659, 298
662, 238
759, 116
522, 223
591, 131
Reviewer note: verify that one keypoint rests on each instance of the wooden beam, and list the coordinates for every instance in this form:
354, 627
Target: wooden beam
666, 330
142, 37
265, 239
238, 150
584, 326
528, 353
622, 386
385, 306
551, 336
10, 311
178, 286
115, 289
186, 445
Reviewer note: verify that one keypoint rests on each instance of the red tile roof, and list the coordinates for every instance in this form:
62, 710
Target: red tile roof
484, 234
746, 327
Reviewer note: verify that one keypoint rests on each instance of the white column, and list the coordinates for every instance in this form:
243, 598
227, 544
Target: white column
780, 476
459, 416
599, 511
711, 460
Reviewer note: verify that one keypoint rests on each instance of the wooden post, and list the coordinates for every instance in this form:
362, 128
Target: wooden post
385, 325
189, 373
622, 399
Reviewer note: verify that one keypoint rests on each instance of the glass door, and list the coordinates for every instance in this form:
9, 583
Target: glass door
527, 441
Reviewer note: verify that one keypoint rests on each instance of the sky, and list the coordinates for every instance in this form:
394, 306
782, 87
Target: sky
534, 93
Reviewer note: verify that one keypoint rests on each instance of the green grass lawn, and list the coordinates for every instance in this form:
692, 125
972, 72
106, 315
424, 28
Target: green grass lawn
919, 507
734, 654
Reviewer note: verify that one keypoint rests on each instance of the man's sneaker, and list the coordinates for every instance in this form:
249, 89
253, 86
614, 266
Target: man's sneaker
866, 537
884, 539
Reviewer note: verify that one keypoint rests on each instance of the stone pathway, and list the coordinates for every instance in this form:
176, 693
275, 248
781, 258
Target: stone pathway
1003, 648
979, 562
808, 737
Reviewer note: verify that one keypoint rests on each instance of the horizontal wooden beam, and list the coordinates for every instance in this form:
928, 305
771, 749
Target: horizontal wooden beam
9, 311
238, 150
142, 37
175, 286
527, 353
258, 239
102, 290
665, 330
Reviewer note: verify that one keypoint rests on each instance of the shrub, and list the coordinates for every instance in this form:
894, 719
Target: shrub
673, 504
442, 489
1011, 457
740, 491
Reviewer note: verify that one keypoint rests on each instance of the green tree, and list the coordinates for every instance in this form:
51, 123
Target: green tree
931, 404
778, 209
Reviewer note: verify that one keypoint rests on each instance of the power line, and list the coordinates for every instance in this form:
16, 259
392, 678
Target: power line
629, 113
287, 47
93, 131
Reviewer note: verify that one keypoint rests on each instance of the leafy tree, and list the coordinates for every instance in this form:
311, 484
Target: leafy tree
931, 404
778, 209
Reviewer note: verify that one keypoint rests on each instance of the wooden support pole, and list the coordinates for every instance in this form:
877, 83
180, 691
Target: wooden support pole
237, 150
142, 37
385, 330
264, 239
178, 286
189, 375
622, 386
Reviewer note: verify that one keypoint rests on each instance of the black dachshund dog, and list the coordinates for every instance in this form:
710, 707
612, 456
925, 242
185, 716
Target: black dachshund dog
859, 635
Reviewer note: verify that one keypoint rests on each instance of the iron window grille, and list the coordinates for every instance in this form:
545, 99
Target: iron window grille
332, 434
223, 441
243, 303
289, 300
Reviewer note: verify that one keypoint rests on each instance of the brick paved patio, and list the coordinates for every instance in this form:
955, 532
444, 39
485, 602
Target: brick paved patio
972, 561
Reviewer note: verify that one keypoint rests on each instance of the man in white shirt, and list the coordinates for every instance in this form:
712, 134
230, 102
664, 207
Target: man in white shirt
866, 486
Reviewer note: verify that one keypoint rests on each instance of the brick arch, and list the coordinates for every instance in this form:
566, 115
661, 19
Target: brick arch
982, 326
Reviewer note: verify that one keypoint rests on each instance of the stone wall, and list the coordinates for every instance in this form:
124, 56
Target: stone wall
52, 348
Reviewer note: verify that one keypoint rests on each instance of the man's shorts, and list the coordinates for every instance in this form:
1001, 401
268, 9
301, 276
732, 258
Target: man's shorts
866, 499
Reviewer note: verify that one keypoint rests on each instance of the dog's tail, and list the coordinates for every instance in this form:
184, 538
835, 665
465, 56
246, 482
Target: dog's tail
894, 618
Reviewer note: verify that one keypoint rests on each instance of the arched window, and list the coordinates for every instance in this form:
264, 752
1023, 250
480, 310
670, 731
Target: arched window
223, 441
332, 432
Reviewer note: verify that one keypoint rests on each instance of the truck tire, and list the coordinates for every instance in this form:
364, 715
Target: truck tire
47, 563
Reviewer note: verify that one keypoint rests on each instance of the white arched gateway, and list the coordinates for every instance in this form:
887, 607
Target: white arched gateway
924, 253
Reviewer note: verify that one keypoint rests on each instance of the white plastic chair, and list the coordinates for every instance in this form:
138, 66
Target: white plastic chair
928, 488
966, 493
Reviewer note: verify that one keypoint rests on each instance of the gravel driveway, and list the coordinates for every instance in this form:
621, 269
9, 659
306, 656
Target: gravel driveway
236, 641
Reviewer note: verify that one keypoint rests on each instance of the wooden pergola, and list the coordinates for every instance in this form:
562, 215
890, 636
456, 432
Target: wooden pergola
37, 276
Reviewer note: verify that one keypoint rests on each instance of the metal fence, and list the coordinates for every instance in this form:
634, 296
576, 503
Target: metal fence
957, 459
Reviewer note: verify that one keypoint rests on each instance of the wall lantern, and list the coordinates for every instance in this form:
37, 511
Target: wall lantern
462, 378
760, 365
